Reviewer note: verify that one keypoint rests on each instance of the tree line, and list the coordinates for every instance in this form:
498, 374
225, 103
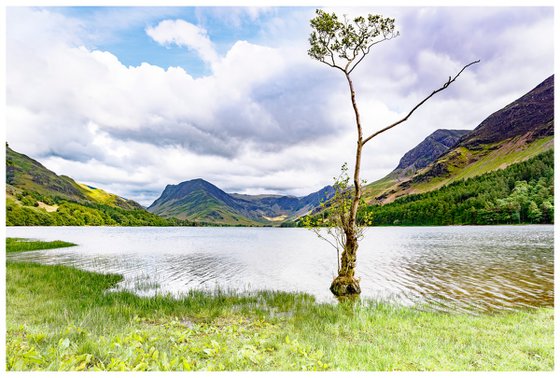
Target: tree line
520, 193
28, 213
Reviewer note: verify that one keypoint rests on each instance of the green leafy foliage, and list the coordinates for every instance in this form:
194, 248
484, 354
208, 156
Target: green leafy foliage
60, 318
349, 41
71, 213
521, 193
333, 217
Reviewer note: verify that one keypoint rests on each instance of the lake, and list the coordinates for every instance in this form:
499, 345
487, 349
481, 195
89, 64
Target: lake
455, 268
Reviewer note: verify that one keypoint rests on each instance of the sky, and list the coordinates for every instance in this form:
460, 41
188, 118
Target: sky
131, 99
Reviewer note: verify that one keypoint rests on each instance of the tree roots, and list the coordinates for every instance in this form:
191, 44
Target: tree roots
344, 286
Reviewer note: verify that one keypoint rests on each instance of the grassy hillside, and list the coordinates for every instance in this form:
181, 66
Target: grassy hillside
37, 196
521, 193
202, 202
29, 175
373, 191
199, 201
100, 196
25, 211
207, 210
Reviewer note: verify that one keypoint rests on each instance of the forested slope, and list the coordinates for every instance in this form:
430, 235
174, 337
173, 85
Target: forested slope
521, 193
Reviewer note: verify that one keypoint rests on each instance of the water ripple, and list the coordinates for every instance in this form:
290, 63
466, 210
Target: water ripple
468, 269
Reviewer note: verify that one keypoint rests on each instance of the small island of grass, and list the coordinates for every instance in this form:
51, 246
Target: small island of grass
22, 245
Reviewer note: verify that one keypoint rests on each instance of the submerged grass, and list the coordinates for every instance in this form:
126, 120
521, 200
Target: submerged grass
21, 245
61, 318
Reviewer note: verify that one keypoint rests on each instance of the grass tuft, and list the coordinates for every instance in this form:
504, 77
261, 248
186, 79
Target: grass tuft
21, 245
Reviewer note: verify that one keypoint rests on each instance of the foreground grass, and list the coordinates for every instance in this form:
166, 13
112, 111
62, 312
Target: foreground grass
60, 318
21, 245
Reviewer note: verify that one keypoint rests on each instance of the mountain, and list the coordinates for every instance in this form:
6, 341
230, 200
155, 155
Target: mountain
37, 196
521, 193
425, 153
200, 201
532, 114
26, 174
515, 133
435, 145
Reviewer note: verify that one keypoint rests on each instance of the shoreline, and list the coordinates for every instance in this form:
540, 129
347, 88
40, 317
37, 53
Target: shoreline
277, 331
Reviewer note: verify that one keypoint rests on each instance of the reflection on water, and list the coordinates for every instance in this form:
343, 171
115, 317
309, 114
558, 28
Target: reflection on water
489, 280
446, 268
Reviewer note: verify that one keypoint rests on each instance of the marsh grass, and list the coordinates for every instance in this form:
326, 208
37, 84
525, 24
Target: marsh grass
21, 245
61, 318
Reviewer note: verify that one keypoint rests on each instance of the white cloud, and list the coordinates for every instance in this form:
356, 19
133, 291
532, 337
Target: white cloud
185, 34
267, 117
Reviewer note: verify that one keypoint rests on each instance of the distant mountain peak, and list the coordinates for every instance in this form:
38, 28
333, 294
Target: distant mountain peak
202, 201
436, 144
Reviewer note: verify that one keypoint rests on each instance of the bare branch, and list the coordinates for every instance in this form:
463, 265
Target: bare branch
327, 46
444, 86
333, 64
393, 35
320, 236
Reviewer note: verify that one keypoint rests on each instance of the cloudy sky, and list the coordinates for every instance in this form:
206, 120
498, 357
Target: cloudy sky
130, 99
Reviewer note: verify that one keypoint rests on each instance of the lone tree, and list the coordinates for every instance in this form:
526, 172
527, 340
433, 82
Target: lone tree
343, 45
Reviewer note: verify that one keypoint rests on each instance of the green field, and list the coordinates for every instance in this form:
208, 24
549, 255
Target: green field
61, 318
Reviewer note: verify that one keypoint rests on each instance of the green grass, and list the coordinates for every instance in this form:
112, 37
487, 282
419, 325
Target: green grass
61, 318
503, 157
21, 245
98, 195
376, 188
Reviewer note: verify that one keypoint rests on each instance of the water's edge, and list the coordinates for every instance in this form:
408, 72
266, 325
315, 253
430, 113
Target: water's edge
472, 268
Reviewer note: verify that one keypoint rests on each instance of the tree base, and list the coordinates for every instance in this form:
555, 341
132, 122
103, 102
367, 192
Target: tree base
343, 286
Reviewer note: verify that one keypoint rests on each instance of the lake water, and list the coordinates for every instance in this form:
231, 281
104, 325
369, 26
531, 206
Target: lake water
466, 268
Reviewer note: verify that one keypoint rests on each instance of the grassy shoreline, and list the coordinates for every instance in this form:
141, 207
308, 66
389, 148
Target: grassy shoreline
22, 245
61, 318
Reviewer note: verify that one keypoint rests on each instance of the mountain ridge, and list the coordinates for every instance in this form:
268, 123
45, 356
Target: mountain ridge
519, 117
36, 196
432, 147
520, 130
27, 174
200, 200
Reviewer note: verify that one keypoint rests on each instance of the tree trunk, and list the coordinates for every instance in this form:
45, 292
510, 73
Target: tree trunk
345, 284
